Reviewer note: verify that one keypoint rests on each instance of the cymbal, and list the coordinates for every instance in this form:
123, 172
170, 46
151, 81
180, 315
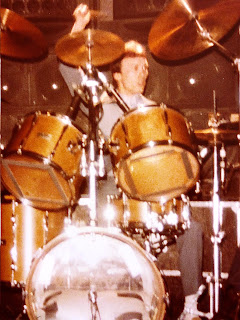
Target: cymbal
20, 39
175, 33
105, 47
216, 135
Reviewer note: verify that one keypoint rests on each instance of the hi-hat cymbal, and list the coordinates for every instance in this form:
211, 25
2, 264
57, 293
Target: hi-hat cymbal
95, 46
216, 135
20, 39
175, 34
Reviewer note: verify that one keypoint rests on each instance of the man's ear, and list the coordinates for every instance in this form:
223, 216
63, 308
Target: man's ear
117, 76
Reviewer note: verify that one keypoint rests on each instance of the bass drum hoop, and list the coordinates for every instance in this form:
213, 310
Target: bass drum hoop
160, 308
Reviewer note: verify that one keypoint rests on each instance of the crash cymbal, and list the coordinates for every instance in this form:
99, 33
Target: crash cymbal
175, 33
20, 39
216, 135
105, 47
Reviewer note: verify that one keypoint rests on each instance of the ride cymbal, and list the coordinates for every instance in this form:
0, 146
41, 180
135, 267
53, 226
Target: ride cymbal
94, 46
178, 32
20, 39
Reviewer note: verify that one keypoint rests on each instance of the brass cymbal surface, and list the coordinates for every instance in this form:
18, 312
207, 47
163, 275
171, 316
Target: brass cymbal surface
216, 135
20, 39
94, 46
179, 32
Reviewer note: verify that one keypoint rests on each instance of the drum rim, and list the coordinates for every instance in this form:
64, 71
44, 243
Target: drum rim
54, 114
155, 143
88, 230
152, 106
40, 159
39, 203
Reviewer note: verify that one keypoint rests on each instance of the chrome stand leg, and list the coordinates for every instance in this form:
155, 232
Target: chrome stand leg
92, 184
217, 233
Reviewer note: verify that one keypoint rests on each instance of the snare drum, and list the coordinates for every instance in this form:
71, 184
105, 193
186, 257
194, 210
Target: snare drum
91, 271
24, 231
41, 161
153, 154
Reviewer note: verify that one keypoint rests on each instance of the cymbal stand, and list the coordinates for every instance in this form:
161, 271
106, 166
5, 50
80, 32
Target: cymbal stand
217, 232
92, 84
223, 167
89, 166
217, 216
232, 57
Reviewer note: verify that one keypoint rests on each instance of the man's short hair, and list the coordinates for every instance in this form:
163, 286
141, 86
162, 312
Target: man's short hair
132, 49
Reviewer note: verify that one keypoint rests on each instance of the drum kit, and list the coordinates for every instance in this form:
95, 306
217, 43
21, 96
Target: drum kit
67, 272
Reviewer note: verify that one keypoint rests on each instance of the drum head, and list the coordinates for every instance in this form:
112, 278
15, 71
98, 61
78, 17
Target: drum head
93, 271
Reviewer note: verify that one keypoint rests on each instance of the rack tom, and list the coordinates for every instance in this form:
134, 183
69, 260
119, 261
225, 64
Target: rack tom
153, 154
41, 162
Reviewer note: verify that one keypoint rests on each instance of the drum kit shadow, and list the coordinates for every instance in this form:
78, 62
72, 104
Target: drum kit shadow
78, 273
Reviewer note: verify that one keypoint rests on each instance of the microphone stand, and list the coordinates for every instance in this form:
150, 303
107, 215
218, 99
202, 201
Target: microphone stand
112, 92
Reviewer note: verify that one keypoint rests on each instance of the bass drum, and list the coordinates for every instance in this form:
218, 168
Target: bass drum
91, 273
41, 161
153, 154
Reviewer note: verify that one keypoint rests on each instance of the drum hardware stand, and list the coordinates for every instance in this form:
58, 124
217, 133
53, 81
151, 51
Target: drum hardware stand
217, 218
206, 36
92, 297
219, 155
223, 165
90, 88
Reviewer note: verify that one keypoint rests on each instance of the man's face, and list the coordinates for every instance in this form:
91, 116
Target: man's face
133, 76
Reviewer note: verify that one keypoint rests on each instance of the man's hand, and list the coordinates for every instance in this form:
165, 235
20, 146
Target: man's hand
82, 17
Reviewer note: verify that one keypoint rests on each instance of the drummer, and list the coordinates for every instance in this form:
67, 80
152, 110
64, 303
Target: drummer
130, 75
